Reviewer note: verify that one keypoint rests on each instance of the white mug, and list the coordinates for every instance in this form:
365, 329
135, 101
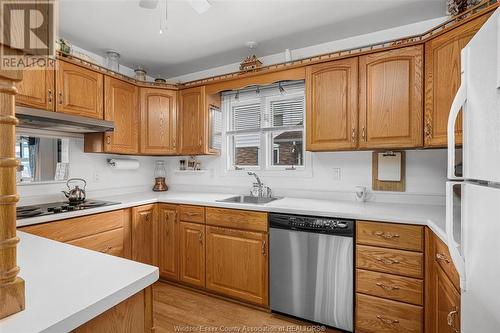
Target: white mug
361, 193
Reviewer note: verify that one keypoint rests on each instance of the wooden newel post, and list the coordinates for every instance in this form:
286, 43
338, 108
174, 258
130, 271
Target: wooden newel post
11, 285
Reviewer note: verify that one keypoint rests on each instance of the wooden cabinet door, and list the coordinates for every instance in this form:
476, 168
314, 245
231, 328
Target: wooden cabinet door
120, 106
390, 102
191, 121
158, 121
442, 80
79, 91
237, 264
192, 253
332, 105
443, 308
168, 241
143, 232
37, 89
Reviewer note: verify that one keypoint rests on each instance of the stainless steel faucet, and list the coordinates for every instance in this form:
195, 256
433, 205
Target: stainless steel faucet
262, 190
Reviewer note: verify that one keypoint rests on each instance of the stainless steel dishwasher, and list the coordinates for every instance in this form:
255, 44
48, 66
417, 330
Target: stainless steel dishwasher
311, 264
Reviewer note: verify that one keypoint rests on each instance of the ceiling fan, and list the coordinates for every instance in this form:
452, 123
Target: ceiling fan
200, 6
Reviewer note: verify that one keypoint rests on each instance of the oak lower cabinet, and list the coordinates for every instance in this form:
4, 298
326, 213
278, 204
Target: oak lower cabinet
442, 80
442, 289
389, 278
143, 234
158, 121
79, 91
390, 99
168, 241
192, 253
332, 105
105, 232
237, 264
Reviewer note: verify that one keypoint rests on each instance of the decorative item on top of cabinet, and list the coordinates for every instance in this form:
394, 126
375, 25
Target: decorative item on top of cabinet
237, 264
120, 106
389, 171
79, 91
442, 80
168, 241
332, 105
158, 121
390, 100
37, 89
144, 242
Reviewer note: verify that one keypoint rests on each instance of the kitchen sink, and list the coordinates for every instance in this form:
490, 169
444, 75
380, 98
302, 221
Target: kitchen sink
247, 199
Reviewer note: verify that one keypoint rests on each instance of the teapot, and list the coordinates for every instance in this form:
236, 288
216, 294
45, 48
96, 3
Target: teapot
76, 194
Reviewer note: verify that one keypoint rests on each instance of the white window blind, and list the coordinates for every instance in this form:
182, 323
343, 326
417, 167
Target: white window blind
287, 113
246, 117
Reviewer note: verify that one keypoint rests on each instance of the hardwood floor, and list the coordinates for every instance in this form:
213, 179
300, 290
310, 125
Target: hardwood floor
177, 309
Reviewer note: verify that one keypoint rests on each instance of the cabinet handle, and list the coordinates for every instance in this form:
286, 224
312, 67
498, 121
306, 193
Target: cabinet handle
146, 218
386, 236
387, 261
106, 250
363, 133
386, 287
387, 320
428, 129
201, 141
108, 139
353, 135
200, 237
174, 143
450, 319
264, 248
442, 257
50, 96
60, 98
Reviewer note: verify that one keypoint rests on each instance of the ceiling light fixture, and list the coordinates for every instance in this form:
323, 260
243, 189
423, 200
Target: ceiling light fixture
163, 20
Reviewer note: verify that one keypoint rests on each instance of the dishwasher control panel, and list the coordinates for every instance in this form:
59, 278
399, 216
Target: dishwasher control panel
338, 226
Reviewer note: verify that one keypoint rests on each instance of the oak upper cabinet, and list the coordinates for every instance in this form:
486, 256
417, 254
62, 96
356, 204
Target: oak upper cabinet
390, 100
168, 241
79, 91
442, 80
237, 264
158, 121
143, 234
192, 253
332, 105
120, 106
37, 89
192, 121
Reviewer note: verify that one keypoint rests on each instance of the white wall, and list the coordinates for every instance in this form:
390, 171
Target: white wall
305, 52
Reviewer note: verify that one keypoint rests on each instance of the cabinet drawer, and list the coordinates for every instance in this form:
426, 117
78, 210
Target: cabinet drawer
194, 214
239, 219
442, 256
67, 230
110, 242
390, 286
397, 236
390, 261
377, 315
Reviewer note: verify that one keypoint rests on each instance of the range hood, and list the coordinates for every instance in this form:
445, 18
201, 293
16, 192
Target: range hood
56, 121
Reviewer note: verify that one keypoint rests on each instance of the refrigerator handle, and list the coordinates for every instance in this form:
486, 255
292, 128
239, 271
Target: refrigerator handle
456, 257
457, 104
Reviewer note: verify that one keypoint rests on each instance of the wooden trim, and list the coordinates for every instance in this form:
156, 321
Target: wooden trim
12, 298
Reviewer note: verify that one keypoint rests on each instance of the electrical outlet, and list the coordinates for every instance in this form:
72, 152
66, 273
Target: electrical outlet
96, 176
336, 173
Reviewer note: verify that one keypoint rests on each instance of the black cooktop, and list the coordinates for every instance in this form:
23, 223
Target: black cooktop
24, 212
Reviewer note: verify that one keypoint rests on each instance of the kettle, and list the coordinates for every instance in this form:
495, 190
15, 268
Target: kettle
76, 194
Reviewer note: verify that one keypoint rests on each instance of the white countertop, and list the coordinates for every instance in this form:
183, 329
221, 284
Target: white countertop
67, 286
429, 215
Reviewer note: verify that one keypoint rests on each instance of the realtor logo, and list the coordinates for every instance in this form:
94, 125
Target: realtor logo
27, 28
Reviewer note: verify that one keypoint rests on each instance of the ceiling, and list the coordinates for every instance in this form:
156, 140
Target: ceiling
194, 42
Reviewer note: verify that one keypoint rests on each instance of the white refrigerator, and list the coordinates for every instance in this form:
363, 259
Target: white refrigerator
473, 221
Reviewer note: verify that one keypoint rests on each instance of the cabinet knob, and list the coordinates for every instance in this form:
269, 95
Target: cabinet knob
49, 92
264, 248
200, 237
387, 261
353, 135
108, 139
428, 129
450, 320
442, 257
60, 98
386, 287
363, 133
387, 320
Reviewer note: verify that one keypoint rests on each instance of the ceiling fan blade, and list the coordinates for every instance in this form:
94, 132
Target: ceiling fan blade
200, 6
148, 4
